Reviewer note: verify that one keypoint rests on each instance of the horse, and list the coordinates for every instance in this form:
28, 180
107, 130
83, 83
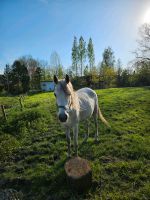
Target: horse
75, 106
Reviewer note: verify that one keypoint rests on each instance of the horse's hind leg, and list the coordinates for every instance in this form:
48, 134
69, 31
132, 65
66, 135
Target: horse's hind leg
68, 141
87, 133
95, 115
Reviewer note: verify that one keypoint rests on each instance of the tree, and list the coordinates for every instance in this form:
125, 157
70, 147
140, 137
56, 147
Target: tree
90, 52
32, 66
86, 71
37, 78
81, 53
75, 56
125, 78
141, 63
55, 65
142, 75
46, 74
107, 71
19, 77
2, 83
60, 72
7, 72
30, 63
44, 69
119, 73
55, 61
143, 51
108, 57
69, 72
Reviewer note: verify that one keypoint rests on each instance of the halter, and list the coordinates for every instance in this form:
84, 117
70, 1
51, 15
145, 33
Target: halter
64, 107
70, 103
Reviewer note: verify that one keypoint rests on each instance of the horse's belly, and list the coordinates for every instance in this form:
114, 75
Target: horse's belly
86, 109
85, 115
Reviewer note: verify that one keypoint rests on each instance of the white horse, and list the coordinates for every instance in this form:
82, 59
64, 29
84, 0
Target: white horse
74, 106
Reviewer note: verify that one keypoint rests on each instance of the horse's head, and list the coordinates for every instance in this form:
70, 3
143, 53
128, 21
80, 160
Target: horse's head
63, 96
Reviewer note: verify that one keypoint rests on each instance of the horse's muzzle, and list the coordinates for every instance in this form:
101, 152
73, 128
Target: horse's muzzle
62, 117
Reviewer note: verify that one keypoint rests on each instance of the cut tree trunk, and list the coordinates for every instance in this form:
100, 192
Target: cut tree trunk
79, 174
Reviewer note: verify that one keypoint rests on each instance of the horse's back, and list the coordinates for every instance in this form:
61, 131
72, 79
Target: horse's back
88, 91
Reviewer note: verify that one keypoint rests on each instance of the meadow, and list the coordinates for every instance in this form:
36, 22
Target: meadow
33, 148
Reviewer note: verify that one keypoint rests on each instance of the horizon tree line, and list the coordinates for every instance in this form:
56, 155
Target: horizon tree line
26, 72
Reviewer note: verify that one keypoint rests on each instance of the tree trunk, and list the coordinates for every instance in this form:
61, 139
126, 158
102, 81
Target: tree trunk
79, 174
81, 67
76, 69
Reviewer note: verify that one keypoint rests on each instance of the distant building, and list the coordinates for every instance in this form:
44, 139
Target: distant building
47, 85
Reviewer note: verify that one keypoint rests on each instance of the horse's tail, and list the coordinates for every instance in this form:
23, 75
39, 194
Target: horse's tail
102, 118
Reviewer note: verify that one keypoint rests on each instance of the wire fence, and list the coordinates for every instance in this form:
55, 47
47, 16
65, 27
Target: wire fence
21, 104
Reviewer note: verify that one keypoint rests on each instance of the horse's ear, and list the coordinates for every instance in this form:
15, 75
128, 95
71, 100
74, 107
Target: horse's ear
67, 79
55, 79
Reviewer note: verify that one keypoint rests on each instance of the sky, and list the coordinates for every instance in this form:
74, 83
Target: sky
40, 27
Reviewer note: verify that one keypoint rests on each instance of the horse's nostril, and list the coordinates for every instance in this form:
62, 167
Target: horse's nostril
63, 117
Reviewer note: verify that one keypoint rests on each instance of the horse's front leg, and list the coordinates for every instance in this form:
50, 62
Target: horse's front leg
68, 141
75, 136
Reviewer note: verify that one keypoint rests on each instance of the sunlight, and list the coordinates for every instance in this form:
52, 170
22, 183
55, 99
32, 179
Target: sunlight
147, 16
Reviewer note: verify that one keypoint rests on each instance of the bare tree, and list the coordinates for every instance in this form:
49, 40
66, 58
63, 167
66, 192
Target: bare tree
31, 64
142, 54
141, 63
55, 64
55, 60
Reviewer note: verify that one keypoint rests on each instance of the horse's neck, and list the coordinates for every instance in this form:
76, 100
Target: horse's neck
76, 103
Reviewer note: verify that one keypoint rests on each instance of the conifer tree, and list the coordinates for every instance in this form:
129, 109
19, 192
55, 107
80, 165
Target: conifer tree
7, 72
82, 53
90, 52
75, 56
108, 58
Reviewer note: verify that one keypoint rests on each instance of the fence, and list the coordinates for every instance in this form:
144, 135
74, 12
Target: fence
5, 109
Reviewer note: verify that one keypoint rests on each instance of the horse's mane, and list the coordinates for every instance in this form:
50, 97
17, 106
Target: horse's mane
68, 89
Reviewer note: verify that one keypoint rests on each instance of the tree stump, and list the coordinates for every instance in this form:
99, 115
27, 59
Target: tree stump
79, 174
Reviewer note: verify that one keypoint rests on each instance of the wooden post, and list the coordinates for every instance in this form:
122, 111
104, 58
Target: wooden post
3, 111
21, 103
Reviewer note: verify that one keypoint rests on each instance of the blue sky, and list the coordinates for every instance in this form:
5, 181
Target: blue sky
39, 27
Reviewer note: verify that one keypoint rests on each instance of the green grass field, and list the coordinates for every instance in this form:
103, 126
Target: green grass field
33, 148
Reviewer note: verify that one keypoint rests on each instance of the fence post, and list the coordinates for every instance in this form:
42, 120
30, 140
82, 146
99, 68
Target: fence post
4, 113
21, 103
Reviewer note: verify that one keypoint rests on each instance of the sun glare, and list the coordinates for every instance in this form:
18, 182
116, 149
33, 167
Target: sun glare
147, 16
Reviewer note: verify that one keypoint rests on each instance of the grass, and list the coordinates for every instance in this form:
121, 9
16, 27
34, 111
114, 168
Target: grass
33, 148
